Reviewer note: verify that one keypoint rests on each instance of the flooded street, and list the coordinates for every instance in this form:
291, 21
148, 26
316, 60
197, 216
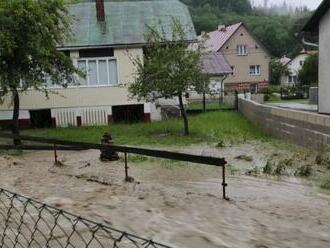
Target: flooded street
179, 205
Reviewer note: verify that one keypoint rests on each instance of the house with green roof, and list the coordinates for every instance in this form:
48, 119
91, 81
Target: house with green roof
106, 35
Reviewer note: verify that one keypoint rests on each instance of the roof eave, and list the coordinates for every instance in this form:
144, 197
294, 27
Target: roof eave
312, 26
122, 45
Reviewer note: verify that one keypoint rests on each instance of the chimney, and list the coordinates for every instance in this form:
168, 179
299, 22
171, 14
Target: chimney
222, 28
100, 14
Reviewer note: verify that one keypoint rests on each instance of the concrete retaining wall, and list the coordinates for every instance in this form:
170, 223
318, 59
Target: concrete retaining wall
313, 95
307, 129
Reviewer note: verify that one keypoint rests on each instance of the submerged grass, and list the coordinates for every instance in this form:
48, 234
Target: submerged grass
213, 127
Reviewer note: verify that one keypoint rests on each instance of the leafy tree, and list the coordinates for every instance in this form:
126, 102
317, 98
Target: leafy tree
309, 74
168, 68
277, 71
30, 32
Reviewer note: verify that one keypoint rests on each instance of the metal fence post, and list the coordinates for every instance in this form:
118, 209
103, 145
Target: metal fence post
236, 100
55, 154
126, 167
224, 184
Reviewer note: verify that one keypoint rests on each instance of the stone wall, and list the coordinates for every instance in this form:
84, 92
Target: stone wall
307, 129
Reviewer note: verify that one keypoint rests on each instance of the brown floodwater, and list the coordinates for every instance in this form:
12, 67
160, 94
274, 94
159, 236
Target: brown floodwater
178, 204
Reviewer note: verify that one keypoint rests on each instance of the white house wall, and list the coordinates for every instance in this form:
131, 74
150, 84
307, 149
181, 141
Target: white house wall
294, 67
8, 114
324, 62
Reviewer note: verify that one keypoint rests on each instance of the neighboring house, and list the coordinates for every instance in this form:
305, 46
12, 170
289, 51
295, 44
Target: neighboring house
319, 25
217, 69
248, 58
294, 66
106, 36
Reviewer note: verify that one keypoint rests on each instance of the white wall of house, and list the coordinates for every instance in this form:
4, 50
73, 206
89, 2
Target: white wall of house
294, 66
324, 62
8, 115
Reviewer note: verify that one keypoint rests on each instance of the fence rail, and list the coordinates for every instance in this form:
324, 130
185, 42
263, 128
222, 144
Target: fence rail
28, 223
122, 149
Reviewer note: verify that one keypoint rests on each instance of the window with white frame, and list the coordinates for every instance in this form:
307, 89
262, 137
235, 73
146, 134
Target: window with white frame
242, 50
98, 71
254, 70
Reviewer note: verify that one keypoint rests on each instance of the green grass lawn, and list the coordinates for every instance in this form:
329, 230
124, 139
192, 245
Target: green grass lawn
205, 128
277, 99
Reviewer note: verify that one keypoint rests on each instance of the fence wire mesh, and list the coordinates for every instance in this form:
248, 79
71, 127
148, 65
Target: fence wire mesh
28, 223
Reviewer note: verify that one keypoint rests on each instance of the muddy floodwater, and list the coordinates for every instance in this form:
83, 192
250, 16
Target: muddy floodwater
175, 203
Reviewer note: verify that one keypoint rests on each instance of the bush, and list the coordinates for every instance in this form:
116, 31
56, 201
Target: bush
325, 184
304, 171
268, 169
277, 168
291, 93
266, 97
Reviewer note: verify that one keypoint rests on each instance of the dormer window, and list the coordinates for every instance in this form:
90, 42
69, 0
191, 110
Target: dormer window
242, 50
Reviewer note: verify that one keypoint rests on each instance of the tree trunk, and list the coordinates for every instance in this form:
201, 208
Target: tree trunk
15, 124
204, 102
184, 115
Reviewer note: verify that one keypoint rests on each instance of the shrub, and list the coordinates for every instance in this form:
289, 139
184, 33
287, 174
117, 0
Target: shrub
266, 97
245, 158
304, 171
255, 171
268, 169
325, 184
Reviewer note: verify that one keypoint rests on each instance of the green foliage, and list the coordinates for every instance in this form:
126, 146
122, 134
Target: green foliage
294, 92
255, 171
268, 169
246, 158
277, 168
309, 74
304, 171
168, 68
325, 184
30, 32
278, 70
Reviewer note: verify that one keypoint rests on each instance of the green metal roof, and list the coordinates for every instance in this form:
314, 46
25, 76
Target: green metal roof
125, 22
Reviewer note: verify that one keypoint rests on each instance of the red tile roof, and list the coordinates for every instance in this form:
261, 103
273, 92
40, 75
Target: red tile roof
217, 39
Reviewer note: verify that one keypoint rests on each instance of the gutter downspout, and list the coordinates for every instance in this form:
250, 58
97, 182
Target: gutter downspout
312, 45
309, 43
222, 88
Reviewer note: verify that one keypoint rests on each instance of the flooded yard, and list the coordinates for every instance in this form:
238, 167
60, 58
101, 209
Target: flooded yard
181, 204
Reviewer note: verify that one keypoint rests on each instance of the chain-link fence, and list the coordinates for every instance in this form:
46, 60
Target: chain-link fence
28, 223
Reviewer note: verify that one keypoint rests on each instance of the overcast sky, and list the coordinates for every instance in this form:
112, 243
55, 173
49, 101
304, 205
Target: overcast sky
312, 4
